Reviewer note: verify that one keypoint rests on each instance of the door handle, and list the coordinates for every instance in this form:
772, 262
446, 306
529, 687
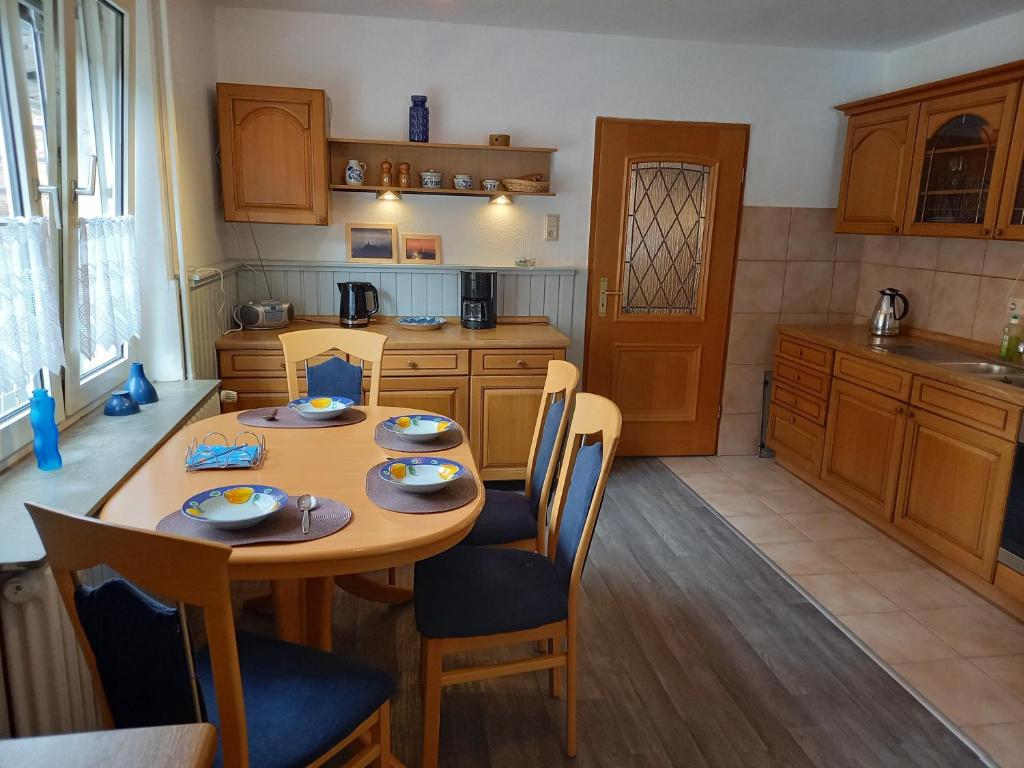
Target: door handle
602, 303
90, 190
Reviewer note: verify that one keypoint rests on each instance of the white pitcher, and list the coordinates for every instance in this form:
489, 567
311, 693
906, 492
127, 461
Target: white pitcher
354, 173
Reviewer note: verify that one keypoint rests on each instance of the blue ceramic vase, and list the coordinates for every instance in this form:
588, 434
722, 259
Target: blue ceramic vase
139, 387
121, 403
45, 437
419, 119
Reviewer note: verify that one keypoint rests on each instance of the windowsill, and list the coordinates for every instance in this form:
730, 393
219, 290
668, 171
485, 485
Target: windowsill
99, 453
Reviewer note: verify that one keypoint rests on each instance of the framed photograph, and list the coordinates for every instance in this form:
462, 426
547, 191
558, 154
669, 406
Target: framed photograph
372, 243
421, 249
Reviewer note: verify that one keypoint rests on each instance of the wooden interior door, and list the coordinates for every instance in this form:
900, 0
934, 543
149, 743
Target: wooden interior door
663, 226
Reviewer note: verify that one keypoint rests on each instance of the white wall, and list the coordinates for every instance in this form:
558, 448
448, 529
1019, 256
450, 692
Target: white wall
988, 44
544, 88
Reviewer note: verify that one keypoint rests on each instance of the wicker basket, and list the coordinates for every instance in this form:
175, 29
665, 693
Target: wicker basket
520, 185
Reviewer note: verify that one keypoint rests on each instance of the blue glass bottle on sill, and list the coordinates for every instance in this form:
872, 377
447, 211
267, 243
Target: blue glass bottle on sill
419, 119
139, 387
45, 437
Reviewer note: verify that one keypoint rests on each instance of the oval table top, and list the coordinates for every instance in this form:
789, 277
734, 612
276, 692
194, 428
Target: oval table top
330, 462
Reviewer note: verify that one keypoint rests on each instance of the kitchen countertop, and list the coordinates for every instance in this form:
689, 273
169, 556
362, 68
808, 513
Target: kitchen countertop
531, 334
857, 340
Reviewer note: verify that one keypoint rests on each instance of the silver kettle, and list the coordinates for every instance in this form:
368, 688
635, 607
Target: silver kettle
892, 307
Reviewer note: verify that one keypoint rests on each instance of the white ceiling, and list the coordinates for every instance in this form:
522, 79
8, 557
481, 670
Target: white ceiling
879, 25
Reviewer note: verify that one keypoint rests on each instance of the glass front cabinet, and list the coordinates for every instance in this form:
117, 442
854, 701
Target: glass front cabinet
945, 160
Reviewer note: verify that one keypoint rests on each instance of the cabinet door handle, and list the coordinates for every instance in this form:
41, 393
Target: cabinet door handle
985, 231
521, 363
899, 410
281, 365
997, 232
894, 229
413, 364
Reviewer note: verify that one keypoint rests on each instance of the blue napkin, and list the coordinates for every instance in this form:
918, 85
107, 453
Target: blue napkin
216, 456
335, 377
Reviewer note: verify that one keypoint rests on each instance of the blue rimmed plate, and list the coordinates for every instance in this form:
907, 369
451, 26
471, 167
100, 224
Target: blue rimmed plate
235, 506
421, 322
418, 427
321, 408
419, 474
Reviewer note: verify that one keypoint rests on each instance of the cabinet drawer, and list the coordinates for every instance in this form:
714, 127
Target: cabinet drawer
969, 408
270, 364
810, 407
431, 363
795, 439
808, 354
514, 360
804, 379
874, 376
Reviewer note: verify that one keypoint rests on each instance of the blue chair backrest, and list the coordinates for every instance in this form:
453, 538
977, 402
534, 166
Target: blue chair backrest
545, 451
335, 377
585, 474
140, 654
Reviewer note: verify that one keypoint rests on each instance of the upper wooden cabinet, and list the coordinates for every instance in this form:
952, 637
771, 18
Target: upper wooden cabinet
942, 159
273, 154
876, 166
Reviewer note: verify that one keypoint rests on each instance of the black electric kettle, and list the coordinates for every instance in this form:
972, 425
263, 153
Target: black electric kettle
355, 308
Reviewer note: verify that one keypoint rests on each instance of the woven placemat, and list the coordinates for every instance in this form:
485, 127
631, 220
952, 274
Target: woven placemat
387, 439
289, 419
282, 527
454, 495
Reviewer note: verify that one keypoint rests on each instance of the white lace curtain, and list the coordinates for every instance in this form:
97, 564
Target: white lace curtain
30, 332
109, 310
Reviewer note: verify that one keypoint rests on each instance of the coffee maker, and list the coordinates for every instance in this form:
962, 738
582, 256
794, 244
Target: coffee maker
355, 310
478, 291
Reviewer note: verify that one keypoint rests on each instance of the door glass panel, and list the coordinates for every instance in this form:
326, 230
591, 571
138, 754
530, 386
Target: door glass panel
1017, 216
665, 233
957, 171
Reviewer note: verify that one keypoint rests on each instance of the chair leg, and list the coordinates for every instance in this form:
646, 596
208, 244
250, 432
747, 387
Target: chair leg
570, 688
554, 674
434, 663
423, 663
393, 576
381, 734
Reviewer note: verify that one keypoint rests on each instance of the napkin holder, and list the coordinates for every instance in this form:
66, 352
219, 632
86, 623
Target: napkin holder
208, 453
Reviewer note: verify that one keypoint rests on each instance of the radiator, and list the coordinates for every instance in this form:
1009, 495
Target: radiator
48, 686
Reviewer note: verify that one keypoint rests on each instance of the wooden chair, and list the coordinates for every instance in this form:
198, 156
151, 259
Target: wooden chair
291, 691
471, 598
300, 346
520, 521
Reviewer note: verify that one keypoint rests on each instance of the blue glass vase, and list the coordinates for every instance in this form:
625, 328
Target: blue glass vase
140, 388
45, 437
419, 119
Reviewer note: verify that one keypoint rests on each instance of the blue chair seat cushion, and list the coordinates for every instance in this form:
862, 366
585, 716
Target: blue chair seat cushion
299, 701
474, 591
506, 517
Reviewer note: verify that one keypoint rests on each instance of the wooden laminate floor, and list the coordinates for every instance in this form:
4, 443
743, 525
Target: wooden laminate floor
694, 652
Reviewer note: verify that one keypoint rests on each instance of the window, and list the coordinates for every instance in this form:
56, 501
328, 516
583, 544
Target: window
68, 279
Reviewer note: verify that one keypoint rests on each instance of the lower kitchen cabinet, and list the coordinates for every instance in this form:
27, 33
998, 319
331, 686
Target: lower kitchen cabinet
863, 444
796, 441
953, 489
503, 414
447, 395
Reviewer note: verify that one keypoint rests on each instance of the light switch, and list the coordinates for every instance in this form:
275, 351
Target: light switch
551, 226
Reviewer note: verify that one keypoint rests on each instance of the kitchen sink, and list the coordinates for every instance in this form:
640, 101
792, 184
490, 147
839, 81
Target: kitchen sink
932, 354
984, 368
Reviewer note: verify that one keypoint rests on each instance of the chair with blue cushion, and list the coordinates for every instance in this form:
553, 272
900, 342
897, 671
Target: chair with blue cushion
472, 598
274, 704
516, 520
335, 376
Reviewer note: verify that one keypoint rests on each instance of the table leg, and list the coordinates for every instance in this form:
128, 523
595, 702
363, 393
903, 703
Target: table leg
320, 613
289, 609
363, 586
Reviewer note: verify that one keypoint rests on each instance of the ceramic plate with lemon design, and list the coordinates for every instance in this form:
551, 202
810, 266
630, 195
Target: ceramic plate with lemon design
235, 506
418, 427
421, 475
320, 408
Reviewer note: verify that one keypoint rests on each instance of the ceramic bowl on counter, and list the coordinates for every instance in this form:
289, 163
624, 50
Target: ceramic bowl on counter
431, 179
421, 322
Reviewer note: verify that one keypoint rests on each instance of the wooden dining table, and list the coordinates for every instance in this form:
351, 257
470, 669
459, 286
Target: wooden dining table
328, 462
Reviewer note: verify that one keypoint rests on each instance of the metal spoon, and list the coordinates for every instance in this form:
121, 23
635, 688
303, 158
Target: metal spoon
305, 503
272, 416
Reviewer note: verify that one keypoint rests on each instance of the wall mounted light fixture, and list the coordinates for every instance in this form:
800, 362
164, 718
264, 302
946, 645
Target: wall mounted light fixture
501, 199
389, 194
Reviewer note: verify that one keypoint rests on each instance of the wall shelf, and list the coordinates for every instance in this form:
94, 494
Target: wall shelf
481, 161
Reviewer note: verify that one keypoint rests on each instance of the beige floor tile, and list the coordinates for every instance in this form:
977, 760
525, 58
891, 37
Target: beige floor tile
794, 502
845, 593
716, 482
1004, 743
766, 529
970, 596
686, 466
732, 504
898, 637
743, 463
975, 630
829, 526
768, 480
802, 557
1008, 671
874, 553
919, 590
962, 692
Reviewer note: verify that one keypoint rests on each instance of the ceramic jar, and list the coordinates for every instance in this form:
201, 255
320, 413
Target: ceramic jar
431, 179
463, 181
491, 185
419, 120
139, 387
121, 404
354, 173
